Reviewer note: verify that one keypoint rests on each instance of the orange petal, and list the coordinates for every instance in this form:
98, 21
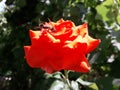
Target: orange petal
26, 49
79, 43
77, 63
85, 67
65, 24
92, 43
83, 30
34, 33
41, 55
80, 30
60, 21
51, 38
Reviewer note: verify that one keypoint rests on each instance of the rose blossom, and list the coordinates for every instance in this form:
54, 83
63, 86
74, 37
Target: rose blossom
60, 46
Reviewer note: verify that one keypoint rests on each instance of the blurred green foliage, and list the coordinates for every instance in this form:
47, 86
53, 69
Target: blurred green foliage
103, 18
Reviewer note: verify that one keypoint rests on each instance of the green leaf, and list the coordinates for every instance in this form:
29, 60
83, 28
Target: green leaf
83, 82
74, 85
103, 10
93, 87
90, 85
118, 18
107, 11
59, 85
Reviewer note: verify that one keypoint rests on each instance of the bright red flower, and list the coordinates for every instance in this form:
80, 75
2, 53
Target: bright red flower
61, 46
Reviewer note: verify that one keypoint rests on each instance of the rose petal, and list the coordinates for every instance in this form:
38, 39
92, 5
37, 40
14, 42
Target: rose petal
92, 43
77, 43
51, 38
34, 33
76, 63
80, 30
64, 26
60, 21
42, 53
72, 55
26, 49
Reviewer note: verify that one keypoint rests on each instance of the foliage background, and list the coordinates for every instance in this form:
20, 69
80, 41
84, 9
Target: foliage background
103, 17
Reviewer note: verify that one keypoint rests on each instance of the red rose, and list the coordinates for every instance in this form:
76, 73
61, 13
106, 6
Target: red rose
60, 46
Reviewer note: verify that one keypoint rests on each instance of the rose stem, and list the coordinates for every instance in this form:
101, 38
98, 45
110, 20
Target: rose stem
67, 79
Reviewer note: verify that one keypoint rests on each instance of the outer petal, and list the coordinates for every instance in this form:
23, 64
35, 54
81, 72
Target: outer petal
42, 57
80, 30
83, 29
83, 66
34, 33
76, 62
26, 49
92, 43
43, 54
74, 57
60, 21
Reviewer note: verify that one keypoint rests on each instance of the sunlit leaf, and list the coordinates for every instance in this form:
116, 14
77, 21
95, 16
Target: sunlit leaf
107, 11
93, 87
103, 10
86, 83
89, 85
118, 18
